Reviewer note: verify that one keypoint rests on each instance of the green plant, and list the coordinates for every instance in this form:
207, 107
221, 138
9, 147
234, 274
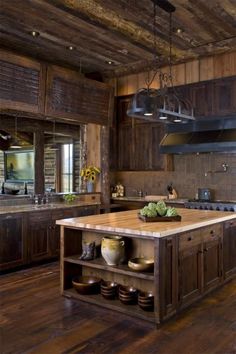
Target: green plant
69, 197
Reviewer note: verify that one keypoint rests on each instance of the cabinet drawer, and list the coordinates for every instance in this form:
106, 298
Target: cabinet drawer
62, 213
212, 232
39, 216
189, 239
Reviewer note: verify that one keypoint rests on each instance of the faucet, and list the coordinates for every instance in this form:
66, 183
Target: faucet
224, 169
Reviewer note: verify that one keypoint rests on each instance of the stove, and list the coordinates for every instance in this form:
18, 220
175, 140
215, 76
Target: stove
220, 205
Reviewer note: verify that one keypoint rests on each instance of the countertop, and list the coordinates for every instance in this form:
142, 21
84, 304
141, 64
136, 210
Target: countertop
127, 222
50, 206
142, 199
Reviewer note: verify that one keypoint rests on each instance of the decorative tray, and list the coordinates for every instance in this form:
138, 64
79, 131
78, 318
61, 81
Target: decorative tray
159, 218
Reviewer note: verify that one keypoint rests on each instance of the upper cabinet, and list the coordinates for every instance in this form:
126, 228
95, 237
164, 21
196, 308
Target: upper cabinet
28, 86
72, 97
138, 142
214, 98
22, 83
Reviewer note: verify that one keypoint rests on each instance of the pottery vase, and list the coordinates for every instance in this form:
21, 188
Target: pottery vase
113, 249
90, 187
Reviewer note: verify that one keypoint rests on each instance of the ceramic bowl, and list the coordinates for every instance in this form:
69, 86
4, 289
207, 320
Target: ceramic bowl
141, 264
86, 284
128, 290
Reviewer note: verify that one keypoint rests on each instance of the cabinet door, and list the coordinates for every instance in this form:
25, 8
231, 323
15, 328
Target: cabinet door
190, 274
39, 229
21, 83
212, 260
224, 96
202, 99
13, 249
142, 146
125, 147
229, 248
73, 97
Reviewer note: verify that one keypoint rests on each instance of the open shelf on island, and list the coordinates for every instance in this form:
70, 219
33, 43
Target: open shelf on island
98, 299
99, 263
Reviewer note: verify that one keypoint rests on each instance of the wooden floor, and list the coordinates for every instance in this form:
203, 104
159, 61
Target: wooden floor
36, 319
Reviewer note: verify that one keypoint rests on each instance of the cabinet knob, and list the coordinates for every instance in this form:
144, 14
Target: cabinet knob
212, 232
206, 249
189, 238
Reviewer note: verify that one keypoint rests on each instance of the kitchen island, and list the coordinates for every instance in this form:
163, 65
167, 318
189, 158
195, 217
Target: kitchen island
191, 257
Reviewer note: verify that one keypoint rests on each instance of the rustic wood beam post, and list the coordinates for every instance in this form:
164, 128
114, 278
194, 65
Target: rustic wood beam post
39, 162
105, 172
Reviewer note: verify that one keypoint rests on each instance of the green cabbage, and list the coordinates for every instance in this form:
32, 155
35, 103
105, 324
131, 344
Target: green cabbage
171, 212
161, 208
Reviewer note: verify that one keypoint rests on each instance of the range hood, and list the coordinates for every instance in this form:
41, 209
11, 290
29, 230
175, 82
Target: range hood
215, 135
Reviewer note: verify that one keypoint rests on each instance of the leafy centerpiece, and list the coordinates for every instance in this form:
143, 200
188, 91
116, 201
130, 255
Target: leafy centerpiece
158, 212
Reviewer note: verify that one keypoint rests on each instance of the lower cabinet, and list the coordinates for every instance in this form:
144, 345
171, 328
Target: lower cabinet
200, 263
39, 233
13, 252
229, 248
34, 236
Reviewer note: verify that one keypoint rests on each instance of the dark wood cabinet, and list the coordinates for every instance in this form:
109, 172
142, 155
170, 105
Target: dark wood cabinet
30, 237
138, 142
229, 249
200, 262
224, 96
22, 83
190, 274
212, 263
13, 250
39, 231
201, 96
71, 96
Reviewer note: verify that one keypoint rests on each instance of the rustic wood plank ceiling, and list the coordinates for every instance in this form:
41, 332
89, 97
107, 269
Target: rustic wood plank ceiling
120, 32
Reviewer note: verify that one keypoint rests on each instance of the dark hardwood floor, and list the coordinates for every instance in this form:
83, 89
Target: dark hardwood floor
34, 318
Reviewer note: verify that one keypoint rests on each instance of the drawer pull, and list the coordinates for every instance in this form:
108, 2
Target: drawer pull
206, 249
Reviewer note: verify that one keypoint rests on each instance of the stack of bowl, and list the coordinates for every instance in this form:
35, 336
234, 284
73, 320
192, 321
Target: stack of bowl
128, 295
146, 300
109, 289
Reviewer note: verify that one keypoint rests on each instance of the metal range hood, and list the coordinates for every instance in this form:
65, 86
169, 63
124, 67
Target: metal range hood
215, 135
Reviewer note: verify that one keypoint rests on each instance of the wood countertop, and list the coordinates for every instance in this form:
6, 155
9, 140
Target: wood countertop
127, 222
41, 207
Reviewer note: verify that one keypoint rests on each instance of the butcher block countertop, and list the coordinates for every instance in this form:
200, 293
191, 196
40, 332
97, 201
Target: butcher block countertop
127, 222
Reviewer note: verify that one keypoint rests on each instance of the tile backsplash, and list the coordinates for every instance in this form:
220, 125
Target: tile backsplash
191, 171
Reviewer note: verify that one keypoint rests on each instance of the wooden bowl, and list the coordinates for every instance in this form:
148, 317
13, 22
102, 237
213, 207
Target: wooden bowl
141, 264
128, 291
86, 284
109, 285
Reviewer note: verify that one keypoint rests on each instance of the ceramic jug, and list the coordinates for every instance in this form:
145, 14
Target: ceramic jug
113, 249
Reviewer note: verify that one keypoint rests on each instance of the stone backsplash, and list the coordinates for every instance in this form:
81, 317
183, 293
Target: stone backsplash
190, 173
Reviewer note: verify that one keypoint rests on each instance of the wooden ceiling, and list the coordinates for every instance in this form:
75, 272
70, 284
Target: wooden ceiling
119, 31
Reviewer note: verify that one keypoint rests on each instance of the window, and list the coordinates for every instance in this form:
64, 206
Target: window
67, 168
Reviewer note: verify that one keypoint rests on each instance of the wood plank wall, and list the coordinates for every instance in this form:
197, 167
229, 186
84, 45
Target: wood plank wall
207, 68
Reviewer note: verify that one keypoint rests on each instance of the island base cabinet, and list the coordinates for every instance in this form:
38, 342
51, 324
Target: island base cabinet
212, 263
71, 265
187, 266
200, 263
229, 249
190, 275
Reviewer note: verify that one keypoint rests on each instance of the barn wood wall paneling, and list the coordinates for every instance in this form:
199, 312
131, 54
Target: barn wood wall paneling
207, 68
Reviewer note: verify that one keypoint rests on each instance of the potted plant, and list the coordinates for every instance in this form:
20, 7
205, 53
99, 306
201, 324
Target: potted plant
89, 174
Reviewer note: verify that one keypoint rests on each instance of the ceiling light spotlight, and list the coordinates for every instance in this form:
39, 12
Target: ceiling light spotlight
71, 47
35, 34
109, 62
179, 30
177, 120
